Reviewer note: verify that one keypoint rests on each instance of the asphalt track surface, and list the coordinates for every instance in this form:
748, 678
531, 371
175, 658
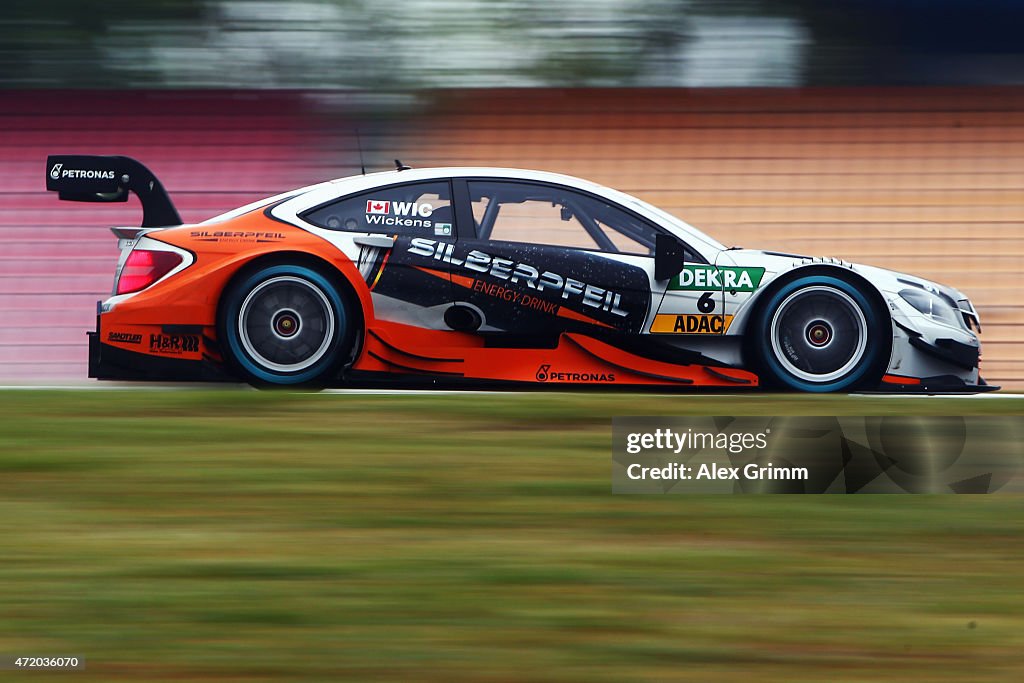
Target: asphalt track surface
133, 386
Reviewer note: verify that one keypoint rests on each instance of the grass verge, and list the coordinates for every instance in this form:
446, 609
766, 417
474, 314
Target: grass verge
235, 535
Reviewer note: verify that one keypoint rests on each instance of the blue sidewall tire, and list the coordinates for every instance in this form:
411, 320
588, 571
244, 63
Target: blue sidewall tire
316, 373
857, 375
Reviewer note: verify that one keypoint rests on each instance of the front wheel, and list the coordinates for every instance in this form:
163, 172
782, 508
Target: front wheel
285, 325
820, 334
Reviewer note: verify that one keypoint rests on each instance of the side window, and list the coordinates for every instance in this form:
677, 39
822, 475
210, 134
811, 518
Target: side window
536, 213
414, 209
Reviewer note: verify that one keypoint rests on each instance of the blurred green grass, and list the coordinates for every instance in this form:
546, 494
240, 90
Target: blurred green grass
236, 535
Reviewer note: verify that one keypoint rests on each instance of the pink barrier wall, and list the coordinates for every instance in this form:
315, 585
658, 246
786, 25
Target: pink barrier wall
213, 151
922, 180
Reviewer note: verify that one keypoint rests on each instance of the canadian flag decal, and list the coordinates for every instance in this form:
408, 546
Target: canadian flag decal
375, 206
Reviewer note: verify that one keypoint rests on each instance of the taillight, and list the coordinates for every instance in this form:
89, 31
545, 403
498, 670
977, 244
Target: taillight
145, 267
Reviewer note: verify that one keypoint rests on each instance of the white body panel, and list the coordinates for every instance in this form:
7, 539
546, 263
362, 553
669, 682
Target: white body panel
735, 305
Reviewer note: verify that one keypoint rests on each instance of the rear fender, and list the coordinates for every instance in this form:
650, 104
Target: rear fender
222, 251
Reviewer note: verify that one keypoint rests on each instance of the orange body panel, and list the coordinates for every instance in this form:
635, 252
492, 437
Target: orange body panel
148, 322
577, 359
194, 292
190, 298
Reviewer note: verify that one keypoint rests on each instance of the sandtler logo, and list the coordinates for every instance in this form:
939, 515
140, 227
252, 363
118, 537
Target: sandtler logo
124, 338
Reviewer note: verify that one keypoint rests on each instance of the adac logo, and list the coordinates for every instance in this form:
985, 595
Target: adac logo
691, 323
55, 171
543, 373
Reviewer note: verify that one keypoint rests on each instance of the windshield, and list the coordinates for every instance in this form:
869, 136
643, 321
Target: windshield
690, 232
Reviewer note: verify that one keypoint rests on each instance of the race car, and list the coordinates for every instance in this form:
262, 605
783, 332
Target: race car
495, 276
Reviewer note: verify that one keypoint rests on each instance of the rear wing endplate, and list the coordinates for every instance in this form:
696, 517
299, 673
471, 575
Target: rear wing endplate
90, 178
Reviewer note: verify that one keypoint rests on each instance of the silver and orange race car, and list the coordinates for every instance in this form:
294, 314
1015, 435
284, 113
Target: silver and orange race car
491, 275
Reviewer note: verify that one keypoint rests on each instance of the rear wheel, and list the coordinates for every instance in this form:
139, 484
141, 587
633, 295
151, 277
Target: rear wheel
820, 334
285, 325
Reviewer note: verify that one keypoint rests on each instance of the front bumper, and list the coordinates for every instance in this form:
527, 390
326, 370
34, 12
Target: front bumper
928, 357
938, 384
951, 351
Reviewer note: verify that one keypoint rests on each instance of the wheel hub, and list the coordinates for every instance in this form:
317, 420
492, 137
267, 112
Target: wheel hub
818, 333
286, 323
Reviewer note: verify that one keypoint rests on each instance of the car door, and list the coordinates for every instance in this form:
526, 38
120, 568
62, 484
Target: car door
703, 297
535, 259
391, 225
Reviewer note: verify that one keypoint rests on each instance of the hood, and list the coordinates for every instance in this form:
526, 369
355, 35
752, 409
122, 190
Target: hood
777, 262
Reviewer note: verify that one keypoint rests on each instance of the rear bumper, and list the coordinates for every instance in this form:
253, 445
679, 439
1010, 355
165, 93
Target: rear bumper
108, 362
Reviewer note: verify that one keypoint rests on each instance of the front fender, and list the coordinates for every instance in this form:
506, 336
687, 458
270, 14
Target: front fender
783, 268
922, 348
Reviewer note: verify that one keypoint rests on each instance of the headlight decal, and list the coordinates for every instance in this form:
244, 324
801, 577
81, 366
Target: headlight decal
933, 306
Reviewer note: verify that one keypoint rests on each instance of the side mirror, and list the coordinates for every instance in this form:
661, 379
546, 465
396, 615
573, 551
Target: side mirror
668, 257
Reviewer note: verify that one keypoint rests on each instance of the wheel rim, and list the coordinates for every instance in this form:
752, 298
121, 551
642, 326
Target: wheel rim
286, 324
819, 334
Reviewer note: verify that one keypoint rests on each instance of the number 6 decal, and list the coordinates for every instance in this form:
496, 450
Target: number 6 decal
706, 302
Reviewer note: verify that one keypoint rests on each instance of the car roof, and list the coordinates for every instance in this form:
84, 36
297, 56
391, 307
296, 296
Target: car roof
297, 201
368, 181
411, 174
359, 183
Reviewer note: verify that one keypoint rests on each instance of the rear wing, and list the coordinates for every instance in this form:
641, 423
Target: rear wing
89, 178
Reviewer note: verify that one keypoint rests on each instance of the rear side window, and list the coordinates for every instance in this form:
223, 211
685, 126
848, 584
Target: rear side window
416, 209
558, 216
